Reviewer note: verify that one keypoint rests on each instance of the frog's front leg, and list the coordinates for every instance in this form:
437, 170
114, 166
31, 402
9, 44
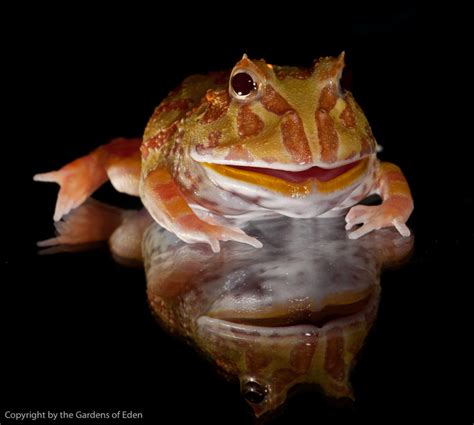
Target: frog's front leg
168, 206
396, 207
119, 161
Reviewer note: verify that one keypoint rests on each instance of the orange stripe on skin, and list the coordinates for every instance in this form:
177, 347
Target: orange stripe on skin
398, 206
294, 138
348, 117
288, 188
328, 97
391, 181
385, 167
158, 176
165, 191
269, 182
167, 194
177, 206
396, 188
274, 102
327, 135
248, 123
191, 222
394, 176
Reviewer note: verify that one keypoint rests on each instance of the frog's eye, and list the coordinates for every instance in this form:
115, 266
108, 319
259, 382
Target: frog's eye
254, 393
244, 85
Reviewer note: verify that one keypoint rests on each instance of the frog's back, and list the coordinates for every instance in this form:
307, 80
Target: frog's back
178, 105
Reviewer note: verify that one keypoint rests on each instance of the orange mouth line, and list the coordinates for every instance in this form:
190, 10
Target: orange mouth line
295, 184
319, 173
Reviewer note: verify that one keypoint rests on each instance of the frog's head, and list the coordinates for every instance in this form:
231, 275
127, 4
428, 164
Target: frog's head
279, 126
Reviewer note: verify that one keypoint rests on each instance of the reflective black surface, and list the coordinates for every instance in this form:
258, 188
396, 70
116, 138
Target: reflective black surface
293, 313
76, 330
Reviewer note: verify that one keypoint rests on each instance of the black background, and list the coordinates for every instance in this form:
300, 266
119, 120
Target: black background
78, 334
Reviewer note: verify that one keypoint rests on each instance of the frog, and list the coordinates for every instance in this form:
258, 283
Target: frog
256, 142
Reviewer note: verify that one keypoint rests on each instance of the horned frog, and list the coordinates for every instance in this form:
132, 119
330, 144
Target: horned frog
259, 141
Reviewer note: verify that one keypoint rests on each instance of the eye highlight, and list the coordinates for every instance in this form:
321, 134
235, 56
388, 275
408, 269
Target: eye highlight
243, 85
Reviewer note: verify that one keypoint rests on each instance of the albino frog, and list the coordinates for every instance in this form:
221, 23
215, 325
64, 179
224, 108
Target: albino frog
256, 142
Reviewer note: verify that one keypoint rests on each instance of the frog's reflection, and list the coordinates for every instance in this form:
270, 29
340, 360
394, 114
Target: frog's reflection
296, 311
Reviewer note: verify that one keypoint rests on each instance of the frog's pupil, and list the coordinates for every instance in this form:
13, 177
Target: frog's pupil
243, 84
254, 393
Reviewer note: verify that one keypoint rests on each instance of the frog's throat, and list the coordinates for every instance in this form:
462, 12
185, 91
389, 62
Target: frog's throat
348, 175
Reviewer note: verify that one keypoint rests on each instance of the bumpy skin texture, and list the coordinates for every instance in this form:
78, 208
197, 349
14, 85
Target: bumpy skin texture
213, 158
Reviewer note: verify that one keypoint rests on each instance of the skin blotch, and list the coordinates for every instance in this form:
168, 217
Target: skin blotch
348, 117
239, 153
218, 103
328, 97
334, 361
327, 136
257, 360
213, 140
274, 102
294, 138
158, 140
248, 123
301, 356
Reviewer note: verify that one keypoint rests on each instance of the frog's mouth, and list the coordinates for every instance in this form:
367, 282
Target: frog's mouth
294, 182
274, 323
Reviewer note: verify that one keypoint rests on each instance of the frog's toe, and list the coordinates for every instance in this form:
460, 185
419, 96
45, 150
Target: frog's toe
373, 218
362, 230
357, 215
67, 200
50, 177
70, 194
213, 234
401, 227
78, 180
238, 235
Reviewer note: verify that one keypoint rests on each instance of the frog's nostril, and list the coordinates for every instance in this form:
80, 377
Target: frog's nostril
254, 392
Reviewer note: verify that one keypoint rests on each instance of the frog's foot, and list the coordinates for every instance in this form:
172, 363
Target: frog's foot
167, 205
93, 221
78, 180
376, 217
192, 229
